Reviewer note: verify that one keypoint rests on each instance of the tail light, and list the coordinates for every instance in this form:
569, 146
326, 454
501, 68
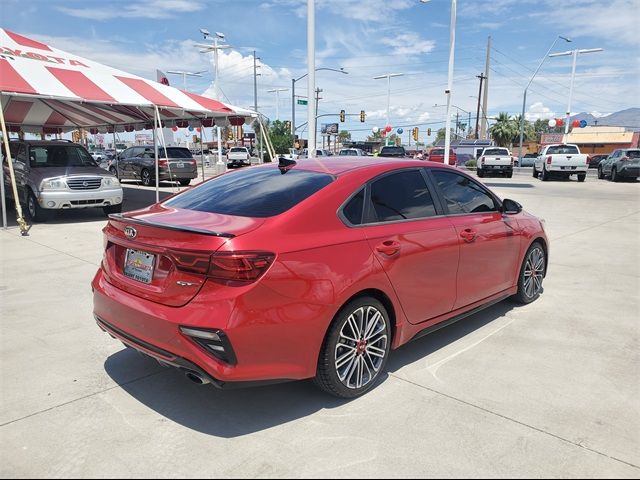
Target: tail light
231, 268
163, 163
481, 159
549, 160
512, 160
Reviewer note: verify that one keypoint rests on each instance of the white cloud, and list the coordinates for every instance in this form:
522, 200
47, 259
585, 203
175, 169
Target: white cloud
408, 44
153, 9
538, 111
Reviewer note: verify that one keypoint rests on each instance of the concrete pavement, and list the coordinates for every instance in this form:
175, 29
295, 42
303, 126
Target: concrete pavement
551, 389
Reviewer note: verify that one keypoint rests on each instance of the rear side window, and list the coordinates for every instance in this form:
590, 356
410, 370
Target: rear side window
633, 154
463, 195
401, 196
353, 210
257, 192
437, 152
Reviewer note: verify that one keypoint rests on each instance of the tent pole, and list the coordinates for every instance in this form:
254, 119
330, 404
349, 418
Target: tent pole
115, 150
155, 150
24, 228
201, 150
4, 202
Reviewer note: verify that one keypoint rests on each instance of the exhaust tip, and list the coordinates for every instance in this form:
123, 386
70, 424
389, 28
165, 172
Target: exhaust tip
196, 378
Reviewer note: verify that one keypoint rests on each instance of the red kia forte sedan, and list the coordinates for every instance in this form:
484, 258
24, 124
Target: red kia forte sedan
315, 269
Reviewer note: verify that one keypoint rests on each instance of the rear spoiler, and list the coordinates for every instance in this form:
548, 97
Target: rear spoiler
122, 218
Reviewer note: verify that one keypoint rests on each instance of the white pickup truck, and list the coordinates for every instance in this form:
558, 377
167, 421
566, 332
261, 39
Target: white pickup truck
495, 160
561, 160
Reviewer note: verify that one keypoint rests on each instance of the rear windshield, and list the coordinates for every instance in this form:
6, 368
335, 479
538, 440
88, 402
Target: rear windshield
239, 149
437, 151
173, 152
256, 192
60, 156
633, 153
392, 150
496, 151
560, 149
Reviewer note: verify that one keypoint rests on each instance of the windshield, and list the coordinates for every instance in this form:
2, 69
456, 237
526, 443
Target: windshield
559, 149
60, 156
496, 151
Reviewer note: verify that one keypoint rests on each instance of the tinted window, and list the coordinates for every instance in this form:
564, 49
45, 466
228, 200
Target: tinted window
437, 151
353, 210
238, 149
60, 156
392, 151
463, 195
560, 149
496, 151
259, 192
402, 195
633, 154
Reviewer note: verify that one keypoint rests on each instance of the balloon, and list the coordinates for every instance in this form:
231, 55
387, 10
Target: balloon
375, 130
576, 124
191, 129
198, 129
583, 123
175, 129
388, 128
552, 123
559, 122
400, 131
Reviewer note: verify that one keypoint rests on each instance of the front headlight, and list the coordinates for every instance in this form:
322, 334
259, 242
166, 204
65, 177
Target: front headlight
53, 184
110, 182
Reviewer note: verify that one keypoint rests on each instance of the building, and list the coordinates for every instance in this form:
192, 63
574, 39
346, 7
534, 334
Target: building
596, 139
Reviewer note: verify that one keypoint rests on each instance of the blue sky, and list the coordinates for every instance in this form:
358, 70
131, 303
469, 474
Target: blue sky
367, 38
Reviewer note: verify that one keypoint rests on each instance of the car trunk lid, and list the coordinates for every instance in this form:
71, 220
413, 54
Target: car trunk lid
162, 254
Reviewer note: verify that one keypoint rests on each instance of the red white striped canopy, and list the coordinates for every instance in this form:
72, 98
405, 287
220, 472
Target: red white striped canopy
46, 90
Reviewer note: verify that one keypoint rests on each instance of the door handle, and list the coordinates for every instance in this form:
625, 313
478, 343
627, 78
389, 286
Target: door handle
468, 234
388, 248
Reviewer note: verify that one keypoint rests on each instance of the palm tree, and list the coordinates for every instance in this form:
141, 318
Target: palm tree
504, 130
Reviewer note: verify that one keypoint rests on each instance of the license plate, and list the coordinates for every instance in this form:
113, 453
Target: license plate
180, 165
139, 265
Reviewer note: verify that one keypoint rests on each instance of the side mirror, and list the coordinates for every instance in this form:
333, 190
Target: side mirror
511, 207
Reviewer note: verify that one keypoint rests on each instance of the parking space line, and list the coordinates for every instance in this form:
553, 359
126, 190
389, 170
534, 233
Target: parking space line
504, 417
594, 226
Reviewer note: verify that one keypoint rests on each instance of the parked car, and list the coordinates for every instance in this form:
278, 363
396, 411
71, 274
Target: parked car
139, 163
437, 155
495, 160
393, 152
622, 163
59, 174
594, 160
238, 157
352, 152
319, 153
527, 161
562, 160
311, 269
292, 154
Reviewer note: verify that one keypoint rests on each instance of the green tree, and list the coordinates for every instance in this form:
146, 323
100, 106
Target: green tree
441, 134
504, 130
529, 131
375, 137
344, 136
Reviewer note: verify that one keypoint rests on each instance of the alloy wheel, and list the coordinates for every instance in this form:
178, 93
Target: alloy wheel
534, 272
361, 348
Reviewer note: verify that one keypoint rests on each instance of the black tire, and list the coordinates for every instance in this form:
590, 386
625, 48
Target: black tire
535, 173
145, 176
185, 181
582, 177
525, 294
600, 173
480, 173
356, 356
509, 175
614, 175
112, 209
545, 174
35, 212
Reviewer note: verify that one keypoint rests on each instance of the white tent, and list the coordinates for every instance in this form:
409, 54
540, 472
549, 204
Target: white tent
46, 90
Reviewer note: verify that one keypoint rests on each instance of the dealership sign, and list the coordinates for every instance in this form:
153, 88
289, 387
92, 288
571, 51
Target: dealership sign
329, 128
550, 138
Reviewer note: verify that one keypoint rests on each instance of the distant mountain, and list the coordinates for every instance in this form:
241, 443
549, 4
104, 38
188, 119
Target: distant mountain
629, 118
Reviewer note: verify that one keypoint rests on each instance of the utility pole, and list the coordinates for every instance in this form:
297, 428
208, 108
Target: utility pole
255, 103
457, 123
481, 77
485, 98
318, 98
311, 80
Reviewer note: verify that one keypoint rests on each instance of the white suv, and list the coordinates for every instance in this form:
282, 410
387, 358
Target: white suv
238, 157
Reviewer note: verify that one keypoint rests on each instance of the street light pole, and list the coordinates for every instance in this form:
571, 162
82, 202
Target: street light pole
311, 84
277, 92
524, 96
388, 77
574, 54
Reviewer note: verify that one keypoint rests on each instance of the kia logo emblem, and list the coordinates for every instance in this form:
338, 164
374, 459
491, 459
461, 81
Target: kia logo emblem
130, 232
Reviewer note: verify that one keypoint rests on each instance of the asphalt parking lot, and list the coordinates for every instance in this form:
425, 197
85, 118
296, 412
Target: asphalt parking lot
551, 389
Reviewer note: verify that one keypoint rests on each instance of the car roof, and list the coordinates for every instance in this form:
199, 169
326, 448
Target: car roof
47, 142
338, 165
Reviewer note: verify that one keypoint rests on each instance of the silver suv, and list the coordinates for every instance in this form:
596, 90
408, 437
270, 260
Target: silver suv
623, 163
54, 175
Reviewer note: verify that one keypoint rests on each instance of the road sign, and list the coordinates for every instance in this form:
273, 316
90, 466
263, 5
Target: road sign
302, 101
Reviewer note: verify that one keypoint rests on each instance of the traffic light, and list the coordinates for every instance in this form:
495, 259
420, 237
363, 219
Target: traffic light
342, 115
75, 136
230, 134
416, 133
428, 132
362, 116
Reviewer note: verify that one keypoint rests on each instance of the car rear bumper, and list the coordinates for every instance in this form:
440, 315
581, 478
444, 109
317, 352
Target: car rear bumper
82, 199
496, 168
268, 345
629, 171
566, 169
179, 175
